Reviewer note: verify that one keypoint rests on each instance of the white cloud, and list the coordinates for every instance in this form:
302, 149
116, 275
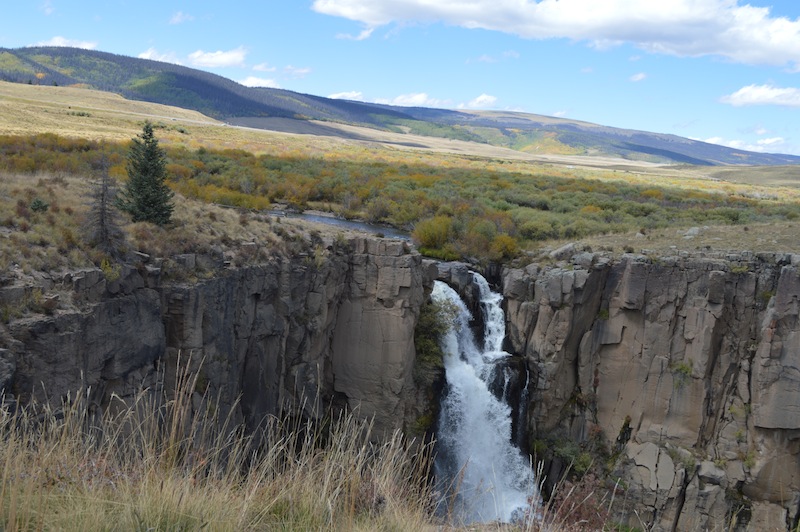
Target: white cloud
486, 58
560, 114
365, 34
771, 141
416, 99
218, 59
296, 72
638, 77
180, 17
47, 8
155, 55
771, 145
764, 95
63, 41
252, 81
740, 33
264, 67
481, 102
760, 130
350, 95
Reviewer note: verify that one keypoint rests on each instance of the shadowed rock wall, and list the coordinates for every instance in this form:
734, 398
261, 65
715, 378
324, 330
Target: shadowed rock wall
291, 335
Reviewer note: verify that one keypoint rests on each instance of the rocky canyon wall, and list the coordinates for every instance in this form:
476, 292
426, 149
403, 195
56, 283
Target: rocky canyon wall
330, 328
686, 371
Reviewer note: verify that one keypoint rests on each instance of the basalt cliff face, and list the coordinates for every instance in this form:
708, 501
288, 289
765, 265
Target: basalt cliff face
289, 336
686, 371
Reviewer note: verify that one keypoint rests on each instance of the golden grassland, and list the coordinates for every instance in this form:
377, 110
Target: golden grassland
31, 109
459, 197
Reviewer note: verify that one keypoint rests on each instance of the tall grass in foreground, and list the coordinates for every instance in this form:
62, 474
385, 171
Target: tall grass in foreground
155, 464
173, 463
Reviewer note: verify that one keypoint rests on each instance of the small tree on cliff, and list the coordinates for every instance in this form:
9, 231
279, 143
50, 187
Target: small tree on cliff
146, 196
102, 228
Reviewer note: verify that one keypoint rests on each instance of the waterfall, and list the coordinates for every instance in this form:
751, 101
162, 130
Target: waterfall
482, 476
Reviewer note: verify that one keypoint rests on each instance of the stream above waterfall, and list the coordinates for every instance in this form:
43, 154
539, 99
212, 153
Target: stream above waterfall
482, 476
352, 225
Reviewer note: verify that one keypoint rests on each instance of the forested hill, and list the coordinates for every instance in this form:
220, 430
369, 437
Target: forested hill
221, 98
170, 84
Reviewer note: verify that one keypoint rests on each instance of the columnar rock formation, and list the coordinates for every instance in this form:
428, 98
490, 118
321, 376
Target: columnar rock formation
335, 329
688, 370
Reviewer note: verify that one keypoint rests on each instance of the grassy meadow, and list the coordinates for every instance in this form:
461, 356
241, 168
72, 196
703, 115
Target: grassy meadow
458, 205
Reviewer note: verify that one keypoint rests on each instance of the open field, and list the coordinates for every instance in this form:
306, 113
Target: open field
757, 238
30, 109
472, 196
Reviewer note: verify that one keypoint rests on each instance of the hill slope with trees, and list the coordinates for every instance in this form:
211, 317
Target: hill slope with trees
224, 99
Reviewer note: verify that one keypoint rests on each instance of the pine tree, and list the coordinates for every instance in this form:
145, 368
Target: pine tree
102, 228
146, 196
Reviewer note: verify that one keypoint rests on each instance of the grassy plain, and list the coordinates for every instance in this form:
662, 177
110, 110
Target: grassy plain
462, 199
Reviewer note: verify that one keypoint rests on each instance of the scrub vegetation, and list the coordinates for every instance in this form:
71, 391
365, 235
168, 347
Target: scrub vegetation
455, 206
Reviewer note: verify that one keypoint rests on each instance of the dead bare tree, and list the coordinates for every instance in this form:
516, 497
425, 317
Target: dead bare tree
102, 228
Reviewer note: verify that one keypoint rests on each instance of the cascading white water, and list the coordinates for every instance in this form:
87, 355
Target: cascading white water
482, 475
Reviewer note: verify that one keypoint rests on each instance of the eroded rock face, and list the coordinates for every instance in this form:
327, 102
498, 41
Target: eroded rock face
689, 367
291, 335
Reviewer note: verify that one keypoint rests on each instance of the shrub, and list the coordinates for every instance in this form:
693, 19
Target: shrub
433, 232
435, 318
39, 205
503, 247
537, 230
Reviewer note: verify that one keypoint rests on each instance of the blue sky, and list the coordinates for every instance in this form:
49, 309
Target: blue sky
724, 71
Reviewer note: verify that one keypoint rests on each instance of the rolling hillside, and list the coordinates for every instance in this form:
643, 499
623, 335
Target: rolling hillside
282, 110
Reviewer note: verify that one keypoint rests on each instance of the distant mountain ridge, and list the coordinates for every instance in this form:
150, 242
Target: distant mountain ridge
224, 99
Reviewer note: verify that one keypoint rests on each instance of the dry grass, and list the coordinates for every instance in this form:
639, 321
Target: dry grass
30, 109
43, 240
156, 464
785, 176
756, 238
176, 463
52, 239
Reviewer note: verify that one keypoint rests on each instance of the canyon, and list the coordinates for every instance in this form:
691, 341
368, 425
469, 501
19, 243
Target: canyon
682, 372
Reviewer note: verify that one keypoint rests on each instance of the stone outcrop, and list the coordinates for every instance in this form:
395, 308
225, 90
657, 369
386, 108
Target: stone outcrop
687, 370
295, 335
683, 371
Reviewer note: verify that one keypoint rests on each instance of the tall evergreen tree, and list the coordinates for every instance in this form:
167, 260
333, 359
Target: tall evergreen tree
102, 226
146, 196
